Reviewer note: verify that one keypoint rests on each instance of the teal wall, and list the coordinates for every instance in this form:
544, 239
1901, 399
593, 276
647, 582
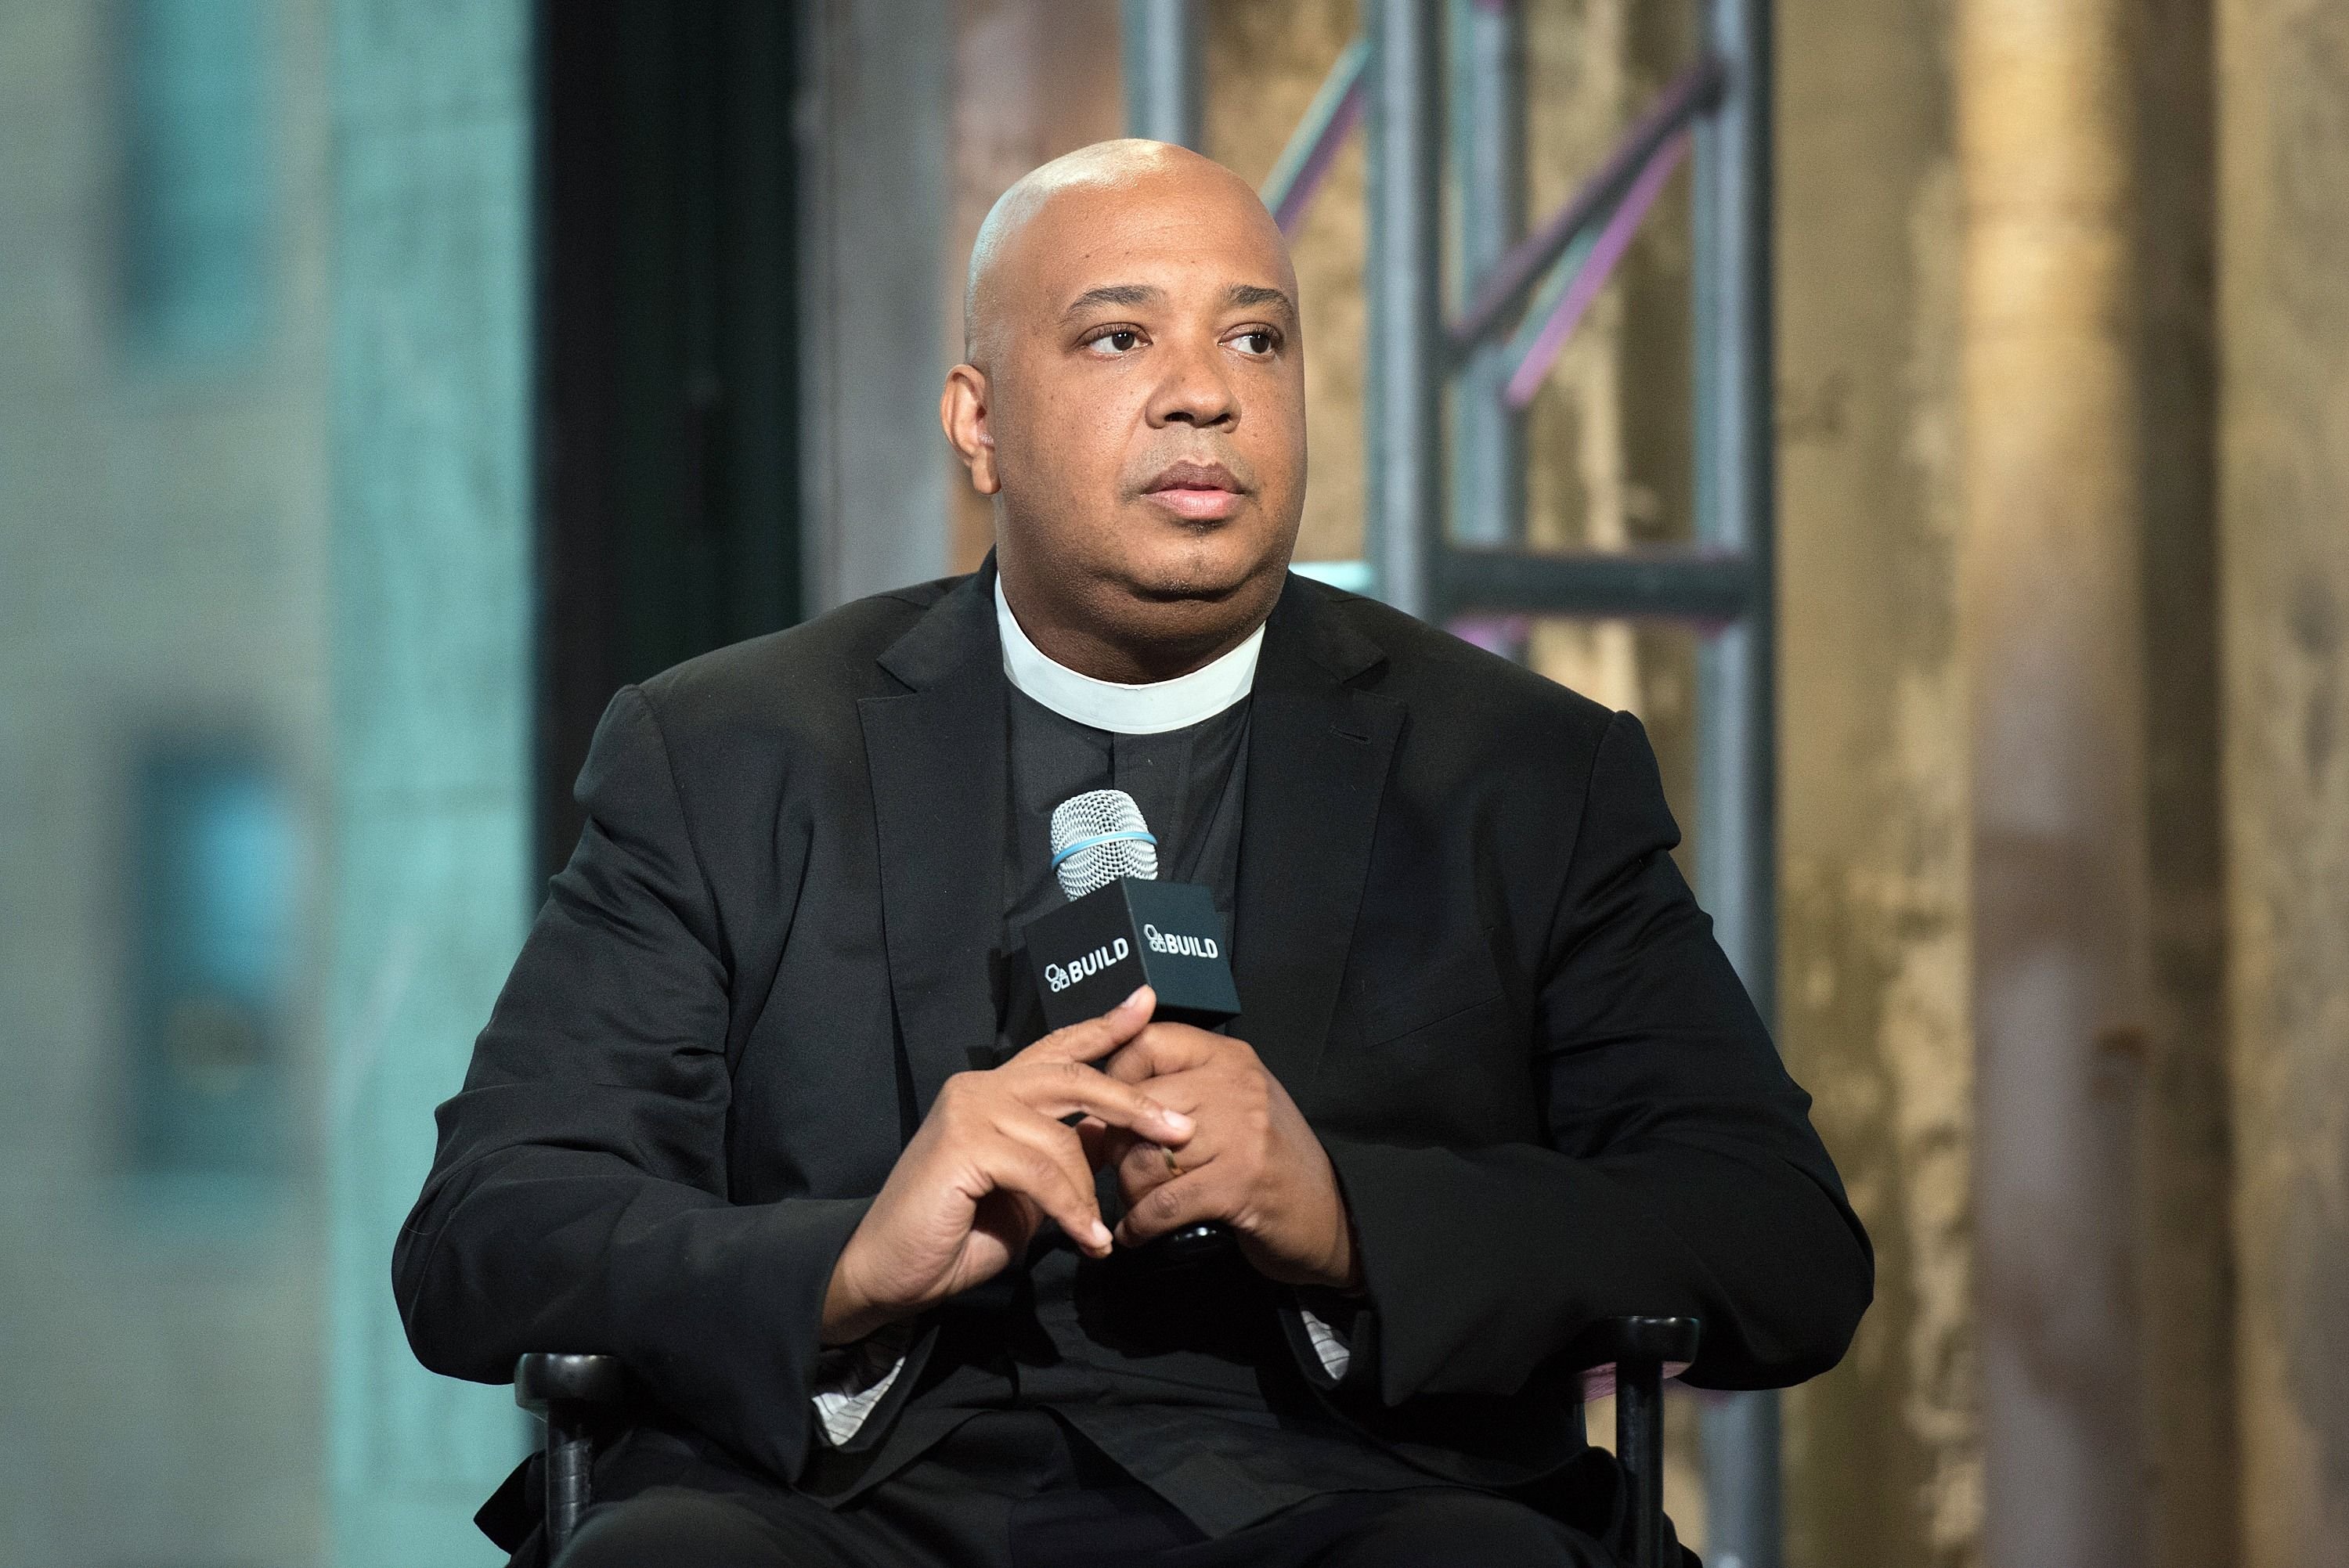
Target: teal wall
163, 378
430, 622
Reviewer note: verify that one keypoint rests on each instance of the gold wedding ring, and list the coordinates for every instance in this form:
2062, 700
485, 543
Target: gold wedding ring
1171, 1169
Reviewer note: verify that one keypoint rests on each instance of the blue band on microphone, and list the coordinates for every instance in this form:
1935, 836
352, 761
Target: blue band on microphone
1130, 837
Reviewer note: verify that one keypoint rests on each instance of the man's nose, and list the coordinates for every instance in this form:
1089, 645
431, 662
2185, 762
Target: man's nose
1195, 391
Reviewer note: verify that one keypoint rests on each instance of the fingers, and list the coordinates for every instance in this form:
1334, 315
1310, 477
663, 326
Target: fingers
1143, 1167
1101, 1141
1041, 1160
1141, 1164
1172, 1204
1095, 1037
1061, 1088
1195, 1092
1165, 1048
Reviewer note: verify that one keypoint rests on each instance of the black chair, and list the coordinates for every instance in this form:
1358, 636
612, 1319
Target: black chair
581, 1397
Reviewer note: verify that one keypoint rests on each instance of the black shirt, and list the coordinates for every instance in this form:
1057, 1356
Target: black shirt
1183, 1378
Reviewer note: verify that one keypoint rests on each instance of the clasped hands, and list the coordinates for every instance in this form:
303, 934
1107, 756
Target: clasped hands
1196, 1126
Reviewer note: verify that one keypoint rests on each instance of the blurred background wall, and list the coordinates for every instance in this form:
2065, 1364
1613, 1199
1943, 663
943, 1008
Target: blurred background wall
166, 757
383, 383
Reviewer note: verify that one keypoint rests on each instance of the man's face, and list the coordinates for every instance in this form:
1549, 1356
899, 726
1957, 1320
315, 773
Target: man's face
1144, 396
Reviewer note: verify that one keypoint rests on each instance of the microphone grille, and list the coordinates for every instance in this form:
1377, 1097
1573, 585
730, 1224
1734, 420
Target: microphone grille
1098, 837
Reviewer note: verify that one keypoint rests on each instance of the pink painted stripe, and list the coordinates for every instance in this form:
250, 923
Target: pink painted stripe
1614, 240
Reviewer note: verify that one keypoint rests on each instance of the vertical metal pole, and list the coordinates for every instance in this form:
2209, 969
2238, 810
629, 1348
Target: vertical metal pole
1736, 836
1639, 1445
1487, 111
1403, 410
570, 1473
1160, 43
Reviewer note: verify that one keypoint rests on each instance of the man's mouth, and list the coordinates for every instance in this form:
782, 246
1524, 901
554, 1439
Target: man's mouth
1198, 493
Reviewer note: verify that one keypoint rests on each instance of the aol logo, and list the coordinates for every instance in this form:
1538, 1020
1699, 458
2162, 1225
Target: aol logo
1061, 976
1179, 943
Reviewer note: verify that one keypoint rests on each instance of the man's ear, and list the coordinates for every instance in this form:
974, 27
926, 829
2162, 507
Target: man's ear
962, 409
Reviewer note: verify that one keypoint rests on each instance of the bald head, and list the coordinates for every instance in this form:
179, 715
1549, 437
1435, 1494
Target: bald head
1132, 399
1061, 201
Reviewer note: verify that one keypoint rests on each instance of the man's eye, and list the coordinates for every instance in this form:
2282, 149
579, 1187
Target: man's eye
1255, 344
1121, 340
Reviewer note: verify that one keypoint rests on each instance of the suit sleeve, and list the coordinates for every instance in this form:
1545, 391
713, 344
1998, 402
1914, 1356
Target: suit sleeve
1681, 1175
579, 1198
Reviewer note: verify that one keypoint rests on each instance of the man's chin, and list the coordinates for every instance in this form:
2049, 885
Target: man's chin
1173, 591
1200, 579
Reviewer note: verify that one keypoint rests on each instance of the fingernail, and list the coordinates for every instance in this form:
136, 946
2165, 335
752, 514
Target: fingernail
1130, 1001
1101, 1234
1177, 1121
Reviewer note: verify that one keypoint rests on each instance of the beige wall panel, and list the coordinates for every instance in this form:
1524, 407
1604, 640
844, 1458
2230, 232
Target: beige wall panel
1884, 1453
2284, 228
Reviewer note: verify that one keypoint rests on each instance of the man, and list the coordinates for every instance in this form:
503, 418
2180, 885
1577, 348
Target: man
763, 1109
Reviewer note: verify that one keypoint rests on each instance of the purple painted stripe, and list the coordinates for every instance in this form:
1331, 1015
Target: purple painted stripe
1614, 241
1692, 91
1502, 634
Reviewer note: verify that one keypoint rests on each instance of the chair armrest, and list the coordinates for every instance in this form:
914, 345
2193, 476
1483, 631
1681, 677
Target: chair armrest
1636, 1341
576, 1394
1631, 1343
542, 1378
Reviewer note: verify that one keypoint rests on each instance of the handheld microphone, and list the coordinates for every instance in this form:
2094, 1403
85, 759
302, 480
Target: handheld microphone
1122, 928
1098, 837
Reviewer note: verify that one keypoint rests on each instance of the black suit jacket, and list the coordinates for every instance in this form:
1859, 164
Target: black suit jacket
1460, 941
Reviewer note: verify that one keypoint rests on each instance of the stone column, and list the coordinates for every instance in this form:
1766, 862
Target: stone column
2284, 231
431, 612
2049, 584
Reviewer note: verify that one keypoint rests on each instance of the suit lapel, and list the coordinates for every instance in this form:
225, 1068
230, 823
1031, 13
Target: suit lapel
935, 754
1318, 752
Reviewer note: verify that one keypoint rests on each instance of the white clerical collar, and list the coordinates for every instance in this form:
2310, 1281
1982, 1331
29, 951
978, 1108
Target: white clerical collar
1151, 708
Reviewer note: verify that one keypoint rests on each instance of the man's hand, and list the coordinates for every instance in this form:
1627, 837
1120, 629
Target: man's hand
992, 1161
1254, 1163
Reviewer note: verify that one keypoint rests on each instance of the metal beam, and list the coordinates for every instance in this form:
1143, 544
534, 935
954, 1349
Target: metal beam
1736, 837
1730, 578
1159, 41
1487, 115
1402, 269
1674, 584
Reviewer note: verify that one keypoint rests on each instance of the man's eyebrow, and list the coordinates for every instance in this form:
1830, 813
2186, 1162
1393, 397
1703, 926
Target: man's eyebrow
1113, 294
1239, 295
1245, 294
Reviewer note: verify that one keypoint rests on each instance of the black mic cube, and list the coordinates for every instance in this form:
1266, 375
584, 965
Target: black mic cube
1091, 955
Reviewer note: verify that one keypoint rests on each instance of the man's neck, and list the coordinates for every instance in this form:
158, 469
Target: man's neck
1104, 658
1101, 651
